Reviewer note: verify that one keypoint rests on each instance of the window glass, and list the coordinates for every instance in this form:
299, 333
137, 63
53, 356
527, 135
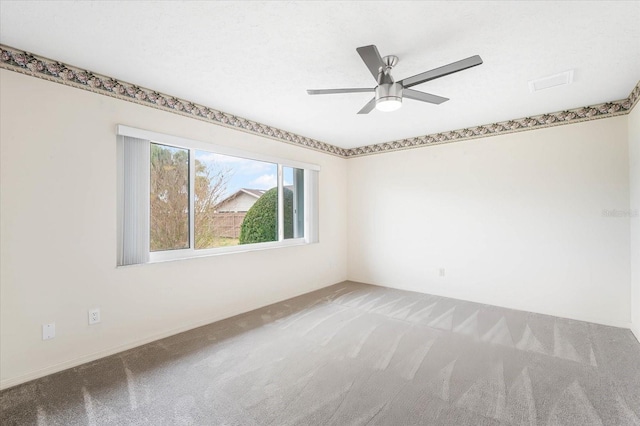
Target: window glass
236, 200
293, 202
177, 199
169, 198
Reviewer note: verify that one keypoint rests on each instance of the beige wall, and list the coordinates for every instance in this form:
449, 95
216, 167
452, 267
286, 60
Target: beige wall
58, 227
515, 220
634, 181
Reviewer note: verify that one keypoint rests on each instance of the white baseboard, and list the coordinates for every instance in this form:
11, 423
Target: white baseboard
635, 329
595, 320
55, 368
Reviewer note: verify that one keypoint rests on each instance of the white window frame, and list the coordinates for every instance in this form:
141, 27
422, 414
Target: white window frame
310, 190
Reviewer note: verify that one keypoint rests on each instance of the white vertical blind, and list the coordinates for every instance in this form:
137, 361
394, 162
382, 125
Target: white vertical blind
280, 212
311, 207
135, 163
192, 200
298, 203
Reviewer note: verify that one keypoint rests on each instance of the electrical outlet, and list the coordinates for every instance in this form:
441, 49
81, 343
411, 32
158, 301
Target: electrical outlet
94, 316
48, 331
441, 271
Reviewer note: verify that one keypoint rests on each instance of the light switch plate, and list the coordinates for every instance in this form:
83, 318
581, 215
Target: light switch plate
48, 331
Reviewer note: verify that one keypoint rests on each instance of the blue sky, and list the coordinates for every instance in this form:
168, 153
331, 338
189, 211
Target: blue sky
245, 173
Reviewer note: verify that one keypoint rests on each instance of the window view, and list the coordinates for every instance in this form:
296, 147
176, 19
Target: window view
177, 198
169, 200
236, 201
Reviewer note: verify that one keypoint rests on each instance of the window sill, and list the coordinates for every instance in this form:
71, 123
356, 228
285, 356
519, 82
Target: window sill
173, 255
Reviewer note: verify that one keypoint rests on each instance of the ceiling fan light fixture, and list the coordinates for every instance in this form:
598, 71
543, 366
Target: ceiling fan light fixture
388, 97
388, 104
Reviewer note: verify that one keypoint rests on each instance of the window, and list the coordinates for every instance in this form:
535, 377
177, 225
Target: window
169, 198
181, 198
229, 190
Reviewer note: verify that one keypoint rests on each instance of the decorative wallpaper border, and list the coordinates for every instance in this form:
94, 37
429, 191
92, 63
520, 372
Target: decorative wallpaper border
37, 66
605, 110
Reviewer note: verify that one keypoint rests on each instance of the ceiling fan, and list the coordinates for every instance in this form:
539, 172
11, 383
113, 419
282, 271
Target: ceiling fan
388, 93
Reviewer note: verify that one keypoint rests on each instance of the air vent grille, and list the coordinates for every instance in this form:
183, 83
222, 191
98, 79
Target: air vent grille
548, 82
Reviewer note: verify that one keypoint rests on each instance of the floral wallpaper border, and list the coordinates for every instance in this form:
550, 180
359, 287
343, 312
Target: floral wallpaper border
27, 63
37, 66
605, 110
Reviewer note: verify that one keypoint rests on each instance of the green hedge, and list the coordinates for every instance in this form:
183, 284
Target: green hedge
261, 222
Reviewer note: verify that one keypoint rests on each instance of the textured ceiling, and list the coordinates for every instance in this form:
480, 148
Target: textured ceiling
256, 59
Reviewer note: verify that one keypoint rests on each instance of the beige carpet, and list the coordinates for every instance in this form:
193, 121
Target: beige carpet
354, 354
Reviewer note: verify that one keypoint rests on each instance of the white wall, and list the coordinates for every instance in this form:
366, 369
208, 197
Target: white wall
515, 220
634, 180
58, 227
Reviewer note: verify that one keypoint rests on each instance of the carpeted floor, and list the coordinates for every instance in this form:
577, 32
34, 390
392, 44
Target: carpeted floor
354, 354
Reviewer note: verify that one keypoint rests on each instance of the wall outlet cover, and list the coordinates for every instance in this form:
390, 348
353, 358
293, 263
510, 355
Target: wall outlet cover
94, 316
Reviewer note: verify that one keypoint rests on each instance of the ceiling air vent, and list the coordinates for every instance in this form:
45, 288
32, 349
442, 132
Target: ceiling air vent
551, 81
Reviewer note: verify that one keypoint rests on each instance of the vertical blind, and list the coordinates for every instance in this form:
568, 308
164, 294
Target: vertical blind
134, 214
312, 207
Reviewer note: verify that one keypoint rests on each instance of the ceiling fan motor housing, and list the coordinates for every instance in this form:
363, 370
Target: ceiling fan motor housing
389, 96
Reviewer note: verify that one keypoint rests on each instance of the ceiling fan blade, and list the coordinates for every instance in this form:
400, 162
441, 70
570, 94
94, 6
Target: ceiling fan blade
333, 91
424, 97
368, 107
372, 59
442, 71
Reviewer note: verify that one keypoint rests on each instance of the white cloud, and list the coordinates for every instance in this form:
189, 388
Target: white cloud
257, 167
241, 165
205, 157
265, 181
210, 157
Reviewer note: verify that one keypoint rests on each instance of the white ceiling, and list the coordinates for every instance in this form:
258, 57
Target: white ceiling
255, 59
